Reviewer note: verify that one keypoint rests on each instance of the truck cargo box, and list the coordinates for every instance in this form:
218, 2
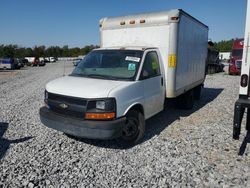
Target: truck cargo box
181, 39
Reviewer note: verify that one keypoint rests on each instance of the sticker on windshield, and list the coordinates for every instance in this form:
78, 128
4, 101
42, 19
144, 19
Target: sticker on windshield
135, 59
131, 66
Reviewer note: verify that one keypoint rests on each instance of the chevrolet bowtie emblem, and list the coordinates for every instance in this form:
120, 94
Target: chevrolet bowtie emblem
63, 105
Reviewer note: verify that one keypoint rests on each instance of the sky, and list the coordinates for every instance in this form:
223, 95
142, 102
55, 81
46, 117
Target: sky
76, 22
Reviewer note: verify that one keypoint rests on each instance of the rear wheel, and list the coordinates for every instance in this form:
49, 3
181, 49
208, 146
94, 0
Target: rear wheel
133, 130
186, 100
197, 92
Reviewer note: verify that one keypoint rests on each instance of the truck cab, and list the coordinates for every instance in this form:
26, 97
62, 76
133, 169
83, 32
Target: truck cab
236, 57
110, 89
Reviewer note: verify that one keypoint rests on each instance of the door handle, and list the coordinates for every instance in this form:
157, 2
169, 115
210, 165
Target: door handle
162, 81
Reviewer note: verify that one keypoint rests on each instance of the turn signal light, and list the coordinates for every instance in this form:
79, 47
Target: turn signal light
100, 116
244, 80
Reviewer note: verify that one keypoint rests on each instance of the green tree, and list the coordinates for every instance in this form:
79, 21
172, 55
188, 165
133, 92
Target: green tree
10, 51
224, 45
28, 52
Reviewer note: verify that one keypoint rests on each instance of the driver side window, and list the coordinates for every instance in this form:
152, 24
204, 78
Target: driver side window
151, 67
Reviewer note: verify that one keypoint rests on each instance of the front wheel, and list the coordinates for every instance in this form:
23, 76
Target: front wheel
133, 130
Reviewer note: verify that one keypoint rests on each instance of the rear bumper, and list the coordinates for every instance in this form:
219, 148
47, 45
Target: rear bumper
82, 128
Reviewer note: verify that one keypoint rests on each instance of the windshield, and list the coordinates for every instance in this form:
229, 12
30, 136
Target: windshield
237, 53
110, 64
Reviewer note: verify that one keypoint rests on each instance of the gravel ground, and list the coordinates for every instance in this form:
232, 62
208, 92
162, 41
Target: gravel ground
181, 148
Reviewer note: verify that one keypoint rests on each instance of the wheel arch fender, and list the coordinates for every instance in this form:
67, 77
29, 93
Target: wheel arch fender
136, 106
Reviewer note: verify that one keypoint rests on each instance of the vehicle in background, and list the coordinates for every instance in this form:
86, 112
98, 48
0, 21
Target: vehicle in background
76, 61
52, 59
11, 63
42, 63
18, 63
46, 59
213, 64
30, 60
7, 63
114, 89
236, 57
224, 56
36, 61
24, 61
243, 103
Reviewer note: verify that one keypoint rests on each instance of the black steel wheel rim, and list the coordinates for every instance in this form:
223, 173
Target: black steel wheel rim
130, 129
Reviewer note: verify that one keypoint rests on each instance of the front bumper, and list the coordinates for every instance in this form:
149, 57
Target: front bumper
82, 128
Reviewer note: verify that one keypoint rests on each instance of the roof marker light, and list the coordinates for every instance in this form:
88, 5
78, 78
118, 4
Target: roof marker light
132, 22
175, 18
142, 21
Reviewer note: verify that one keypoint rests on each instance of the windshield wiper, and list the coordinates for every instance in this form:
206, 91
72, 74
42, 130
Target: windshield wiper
102, 76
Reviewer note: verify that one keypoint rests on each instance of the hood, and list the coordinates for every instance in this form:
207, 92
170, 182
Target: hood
82, 87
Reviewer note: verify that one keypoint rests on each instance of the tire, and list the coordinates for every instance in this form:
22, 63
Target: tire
133, 130
209, 70
71, 136
213, 70
186, 100
197, 92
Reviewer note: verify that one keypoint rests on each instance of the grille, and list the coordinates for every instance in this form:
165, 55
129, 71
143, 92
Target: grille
67, 99
68, 113
67, 106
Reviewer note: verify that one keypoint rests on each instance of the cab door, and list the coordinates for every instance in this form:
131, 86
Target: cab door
153, 84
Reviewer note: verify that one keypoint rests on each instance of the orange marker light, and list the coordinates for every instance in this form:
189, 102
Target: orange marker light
142, 21
175, 18
100, 116
132, 22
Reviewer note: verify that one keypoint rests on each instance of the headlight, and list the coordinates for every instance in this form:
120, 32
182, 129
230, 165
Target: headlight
100, 105
103, 109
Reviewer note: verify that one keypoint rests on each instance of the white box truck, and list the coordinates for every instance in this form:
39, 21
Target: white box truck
143, 60
243, 103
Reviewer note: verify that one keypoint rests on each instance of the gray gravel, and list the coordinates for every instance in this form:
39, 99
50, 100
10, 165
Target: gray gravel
181, 148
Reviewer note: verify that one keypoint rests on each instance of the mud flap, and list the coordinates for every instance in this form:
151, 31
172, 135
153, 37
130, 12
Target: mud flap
239, 109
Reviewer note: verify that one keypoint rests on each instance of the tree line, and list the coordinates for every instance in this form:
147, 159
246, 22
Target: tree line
224, 45
15, 51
